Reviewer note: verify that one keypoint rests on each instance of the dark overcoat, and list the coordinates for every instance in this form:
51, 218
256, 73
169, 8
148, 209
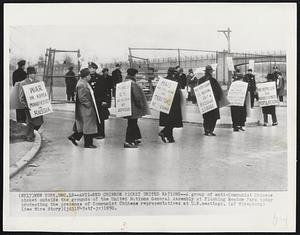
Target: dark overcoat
71, 82
139, 105
116, 76
85, 113
37, 121
250, 79
102, 93
174, 118
217, 91
18, 75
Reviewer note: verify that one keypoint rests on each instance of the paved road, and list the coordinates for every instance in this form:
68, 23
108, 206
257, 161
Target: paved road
251, 160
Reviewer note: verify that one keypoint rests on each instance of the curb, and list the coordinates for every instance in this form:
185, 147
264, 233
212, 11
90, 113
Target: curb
13, 170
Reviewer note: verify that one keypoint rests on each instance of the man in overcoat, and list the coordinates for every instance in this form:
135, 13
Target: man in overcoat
174, 118
18, 76
71, 82
250, 79
102, 93
139, 108
31, 123
116, 77
85, 113
210, 118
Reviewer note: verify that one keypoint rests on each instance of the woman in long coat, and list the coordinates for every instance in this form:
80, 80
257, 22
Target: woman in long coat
85, 113
210, 118
174, 118
139, 108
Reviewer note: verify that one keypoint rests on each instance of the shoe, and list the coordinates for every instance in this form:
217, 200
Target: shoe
236, 129
130, 145
275, 124
171, 140
162, 136
241, 128
211, 134
206, 133
100, 137
72, 140
137, 142
265, 124
90, 146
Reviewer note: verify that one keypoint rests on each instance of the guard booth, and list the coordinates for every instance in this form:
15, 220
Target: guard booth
54, 73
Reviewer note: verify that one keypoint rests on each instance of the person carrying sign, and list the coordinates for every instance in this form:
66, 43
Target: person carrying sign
18, 76
174, 118
85, 113
269, 109
31, 123
210, 118
238, 113
139, 108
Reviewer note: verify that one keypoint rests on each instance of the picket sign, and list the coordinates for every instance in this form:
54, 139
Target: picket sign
123, 99
230, 64
37, 99
251, 65
267, 94
163, 95
205, 97
237, 93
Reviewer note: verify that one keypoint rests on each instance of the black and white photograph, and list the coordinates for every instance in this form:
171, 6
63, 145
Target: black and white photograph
150, 109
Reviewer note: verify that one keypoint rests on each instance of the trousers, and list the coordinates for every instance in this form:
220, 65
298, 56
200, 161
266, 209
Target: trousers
88, 139
274, 118
168, 132
133, 131
209, 124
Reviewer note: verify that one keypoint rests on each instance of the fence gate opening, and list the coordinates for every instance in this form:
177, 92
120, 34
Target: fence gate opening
55, 70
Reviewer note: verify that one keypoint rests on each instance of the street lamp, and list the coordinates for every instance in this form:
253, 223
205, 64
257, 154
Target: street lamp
227, 35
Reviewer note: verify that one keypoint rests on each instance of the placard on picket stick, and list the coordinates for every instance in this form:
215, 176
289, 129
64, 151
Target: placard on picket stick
267, 94
163, 95
237, 93
37, 99
230, 64
205, 97
123, 99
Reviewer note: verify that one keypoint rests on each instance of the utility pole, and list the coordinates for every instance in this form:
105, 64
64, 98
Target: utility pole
227, 35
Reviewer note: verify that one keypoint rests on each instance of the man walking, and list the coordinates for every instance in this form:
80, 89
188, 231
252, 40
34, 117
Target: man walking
31, 123
18, 76
85, 114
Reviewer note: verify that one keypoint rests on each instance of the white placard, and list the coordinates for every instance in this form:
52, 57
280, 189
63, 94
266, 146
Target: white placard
37, 99
251, 65
163, 95
205, 97
267, 94
123, 99
237, 93
230, 64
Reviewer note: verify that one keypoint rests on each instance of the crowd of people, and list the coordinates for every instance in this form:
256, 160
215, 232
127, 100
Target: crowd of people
92, 94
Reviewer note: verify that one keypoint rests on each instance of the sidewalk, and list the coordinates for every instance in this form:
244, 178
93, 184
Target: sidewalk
21, 152
193, 115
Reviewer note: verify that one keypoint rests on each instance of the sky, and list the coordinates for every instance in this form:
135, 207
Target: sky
104, 32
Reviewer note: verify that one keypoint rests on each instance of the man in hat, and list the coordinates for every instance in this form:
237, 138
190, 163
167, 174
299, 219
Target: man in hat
191, 83
277, 77
210, 118
18, 76
31, 123
85, 114
71, 82
116, 77
93, 74
139, 108
102, 93
182, 80
250, 79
